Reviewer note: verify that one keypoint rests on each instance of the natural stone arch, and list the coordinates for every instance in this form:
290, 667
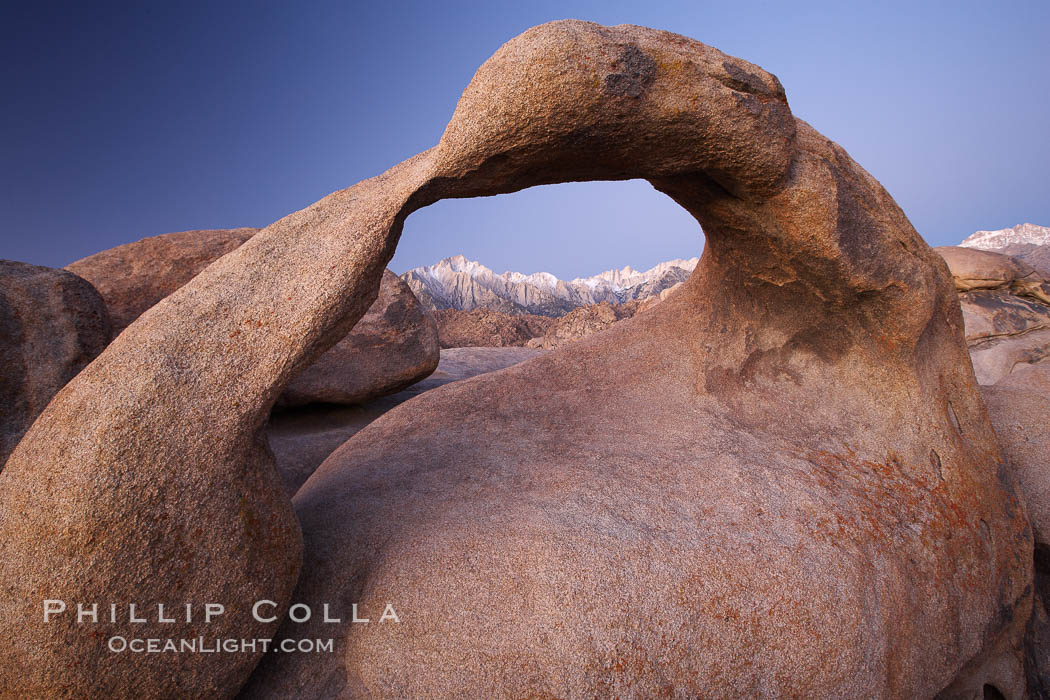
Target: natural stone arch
815, 357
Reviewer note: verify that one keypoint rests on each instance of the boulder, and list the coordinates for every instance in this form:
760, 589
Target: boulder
52, 323
983, 269
1004, 332
483, 327
989, 314
302, 438
997, 357
135, 276
1006, 310
780, 481
393, 346
582, 322
1019, 407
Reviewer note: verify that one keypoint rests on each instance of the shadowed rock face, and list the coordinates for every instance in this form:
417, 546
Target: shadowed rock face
394, 345
779, 480
301, 439
1019, 408
52, 323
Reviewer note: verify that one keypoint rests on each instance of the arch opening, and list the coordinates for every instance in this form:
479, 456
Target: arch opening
570, 230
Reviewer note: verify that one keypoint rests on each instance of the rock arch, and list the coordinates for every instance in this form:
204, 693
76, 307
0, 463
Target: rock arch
782, 479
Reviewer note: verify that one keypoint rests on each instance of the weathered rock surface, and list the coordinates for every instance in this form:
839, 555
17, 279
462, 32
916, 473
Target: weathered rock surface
52, 323
790, 447
997, 357
782, 480
135, 276
301, 439
1019, 407
1005, 311
990, 314
982, 269
394, 345
484, 327
1004, 332
582, 322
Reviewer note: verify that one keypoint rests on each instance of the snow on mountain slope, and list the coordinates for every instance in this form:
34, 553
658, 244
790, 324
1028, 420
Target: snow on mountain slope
1022, 233
1028, 242
459, 283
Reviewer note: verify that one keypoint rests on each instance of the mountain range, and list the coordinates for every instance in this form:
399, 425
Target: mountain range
459, 283
1029, 242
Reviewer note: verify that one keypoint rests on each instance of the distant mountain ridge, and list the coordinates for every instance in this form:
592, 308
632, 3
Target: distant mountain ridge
459, 283
1029, 242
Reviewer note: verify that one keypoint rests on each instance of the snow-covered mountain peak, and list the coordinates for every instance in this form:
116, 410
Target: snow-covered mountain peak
1022, 233
460, 283
459, 263
629, 277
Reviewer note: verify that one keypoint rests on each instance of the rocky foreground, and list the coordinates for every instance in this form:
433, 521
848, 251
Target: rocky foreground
783, 479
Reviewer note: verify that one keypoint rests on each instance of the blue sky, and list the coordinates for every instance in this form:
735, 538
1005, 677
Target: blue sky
123, 120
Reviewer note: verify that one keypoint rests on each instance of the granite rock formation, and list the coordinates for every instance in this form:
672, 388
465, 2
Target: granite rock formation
582, 322
52, 323
1019, 408
1006, 311
1038, 256
394, 345
135, 276
301, 439
981, 269
483, 327
782, 450
781, 480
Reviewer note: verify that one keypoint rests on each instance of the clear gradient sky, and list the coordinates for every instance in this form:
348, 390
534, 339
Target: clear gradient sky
124, 120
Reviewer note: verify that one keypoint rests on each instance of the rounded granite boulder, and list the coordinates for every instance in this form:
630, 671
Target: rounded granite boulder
52, 323
134, 276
